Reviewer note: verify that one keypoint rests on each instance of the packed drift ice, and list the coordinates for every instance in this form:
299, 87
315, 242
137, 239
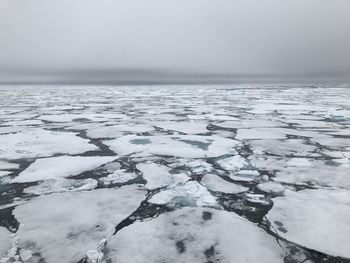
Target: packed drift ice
208, 174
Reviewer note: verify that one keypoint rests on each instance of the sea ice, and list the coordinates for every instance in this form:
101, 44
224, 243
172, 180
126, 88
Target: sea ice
299, 162
4, 173
23, 123
58, 167
118, 176
217, 184
5, 241
271, 187
115, 131
259, 133
69, 117
338, 114
40, 143
194, 235
72, 223
10, 129
156, 175
332, 142
185, 146
199, 166
244, 175
189, 194
316, 219
233, 163
61, 185
295, 147
317, 174
189, 127
250, 123
256, 199
8, 166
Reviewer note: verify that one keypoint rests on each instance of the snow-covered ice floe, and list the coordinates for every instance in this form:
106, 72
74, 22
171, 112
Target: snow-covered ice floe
114, 131
190, 127
217, 184
70, 224
189, 194
5, 242
40, 143
316, 219
61, 185
58, 167
194, 235
156, 175
118, 176
185, 146
271, 187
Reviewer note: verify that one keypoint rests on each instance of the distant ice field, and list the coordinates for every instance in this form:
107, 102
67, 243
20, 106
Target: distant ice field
162, 174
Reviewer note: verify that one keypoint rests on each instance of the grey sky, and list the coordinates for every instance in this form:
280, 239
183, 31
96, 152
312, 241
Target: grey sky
43, 40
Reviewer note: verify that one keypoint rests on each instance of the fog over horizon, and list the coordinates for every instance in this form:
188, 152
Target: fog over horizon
97, 41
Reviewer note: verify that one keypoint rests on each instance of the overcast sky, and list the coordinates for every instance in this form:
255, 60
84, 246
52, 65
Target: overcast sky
43, 40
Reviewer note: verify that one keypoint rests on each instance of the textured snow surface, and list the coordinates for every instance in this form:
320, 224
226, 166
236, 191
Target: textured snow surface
72, 223
194, 235
58, 167
316, 219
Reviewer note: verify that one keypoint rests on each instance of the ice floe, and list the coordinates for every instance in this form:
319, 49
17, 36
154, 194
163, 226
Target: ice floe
199, 166
191, 127
316, 174
8, 166
58, 167
217, 184
316, 219
156, 175
245, 175
61, 185
259, 133
69, 117
72, 223
23, 123
5, 242
118, 177
40, 143
256, 199
194, 235
189, 194
271, 187
4, 173
233, 163
185, 146
291, 147
115, 131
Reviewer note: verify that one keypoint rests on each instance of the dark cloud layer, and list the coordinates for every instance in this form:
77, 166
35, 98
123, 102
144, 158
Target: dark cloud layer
172, 40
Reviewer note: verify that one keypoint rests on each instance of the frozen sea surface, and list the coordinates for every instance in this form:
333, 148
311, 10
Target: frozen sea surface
230, 173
